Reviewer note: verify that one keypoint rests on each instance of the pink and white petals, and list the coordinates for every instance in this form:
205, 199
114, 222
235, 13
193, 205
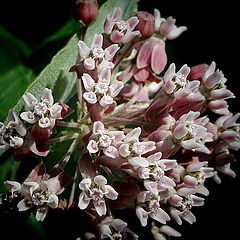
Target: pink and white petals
133, 149
191, 134
96, 57
44, 112
229, 130
105, 140
101, 91
96, 190
12, 134
214, 89
152, 53
120, 30
167, 27
149, 206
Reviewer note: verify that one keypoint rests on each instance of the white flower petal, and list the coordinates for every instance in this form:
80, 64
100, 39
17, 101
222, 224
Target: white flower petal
28, 117
47, 96
100, 180
100, 207
55, 111
22, 205
90, 97
112, 194
41, 213
83, 201
53, 201
30, 100
88, 82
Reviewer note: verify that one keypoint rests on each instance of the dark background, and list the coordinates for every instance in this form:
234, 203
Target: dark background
212, 35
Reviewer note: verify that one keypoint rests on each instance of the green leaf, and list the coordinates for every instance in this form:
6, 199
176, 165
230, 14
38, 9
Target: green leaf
12, 46
13, 84
128, 8
8, 171
14, 76
50, 75
36, 227
67, 30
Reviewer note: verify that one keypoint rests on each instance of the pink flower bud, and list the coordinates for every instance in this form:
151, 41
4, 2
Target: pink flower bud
197, 72
86, 11
146, 24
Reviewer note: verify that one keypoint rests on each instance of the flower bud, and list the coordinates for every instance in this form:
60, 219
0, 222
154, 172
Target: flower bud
146, 24
196, 72
86, 11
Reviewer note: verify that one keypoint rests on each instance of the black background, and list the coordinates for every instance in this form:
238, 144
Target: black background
212, 35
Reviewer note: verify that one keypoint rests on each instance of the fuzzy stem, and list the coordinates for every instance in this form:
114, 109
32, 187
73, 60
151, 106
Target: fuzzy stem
64, 138
69, 153
68, 124
79, 90
84, 31
122, 121
73, 190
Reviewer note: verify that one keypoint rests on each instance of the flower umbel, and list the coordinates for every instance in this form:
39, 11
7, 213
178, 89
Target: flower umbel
137, 139
44, 112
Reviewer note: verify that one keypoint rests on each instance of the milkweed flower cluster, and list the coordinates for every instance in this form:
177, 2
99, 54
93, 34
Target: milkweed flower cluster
144, 137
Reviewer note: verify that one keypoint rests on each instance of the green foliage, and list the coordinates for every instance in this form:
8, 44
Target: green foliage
49, 77
14, 75
8, 171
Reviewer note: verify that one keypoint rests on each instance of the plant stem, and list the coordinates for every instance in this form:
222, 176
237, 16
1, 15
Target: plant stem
68, 124
122, 121
84, 31
64, 138
73, 190
69, 153
79, 90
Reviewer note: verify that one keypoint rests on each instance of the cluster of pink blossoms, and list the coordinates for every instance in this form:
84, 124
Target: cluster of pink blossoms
145, 135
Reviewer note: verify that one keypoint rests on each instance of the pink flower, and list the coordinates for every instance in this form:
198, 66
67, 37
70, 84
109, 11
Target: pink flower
86, 11
229, 130
11, 135
96, 56
44, 112
102, 91
115, 228
175, 81
152, 53
120, 30
146, 24
167, 27
40, 196
182, 203
191, 133
133, 149
195, 176
222, 159
105, 140
38, 191
96, 191
160, 233
154, 174
214, 89
175, 88
149, 206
